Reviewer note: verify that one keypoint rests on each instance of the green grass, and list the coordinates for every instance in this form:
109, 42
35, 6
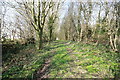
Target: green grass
68, 60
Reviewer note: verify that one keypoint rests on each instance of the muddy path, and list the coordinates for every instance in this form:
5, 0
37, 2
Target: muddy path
43, 71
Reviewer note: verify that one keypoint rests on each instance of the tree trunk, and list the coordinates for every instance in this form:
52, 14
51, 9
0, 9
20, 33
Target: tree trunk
51, 34
86, 33
115, 42
40, 36
66, 35
39, 39
81, 35
111, 42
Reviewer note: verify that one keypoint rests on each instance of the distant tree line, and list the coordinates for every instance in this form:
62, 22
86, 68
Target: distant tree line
38, 21
78, 25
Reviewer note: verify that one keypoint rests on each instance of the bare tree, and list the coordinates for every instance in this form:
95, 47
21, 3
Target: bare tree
53, 15
36, 16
